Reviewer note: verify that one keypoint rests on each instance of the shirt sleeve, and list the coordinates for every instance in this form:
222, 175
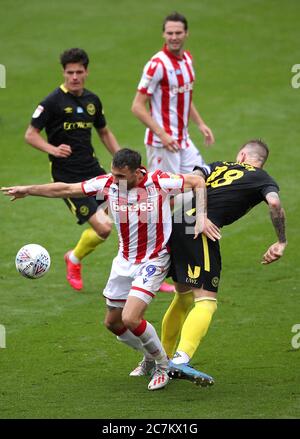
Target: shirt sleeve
42, 114
100, 121
269, 185
96, 185
152, 75
171, 182
205, 169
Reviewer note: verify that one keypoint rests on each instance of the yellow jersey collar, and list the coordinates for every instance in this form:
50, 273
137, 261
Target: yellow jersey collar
63, 88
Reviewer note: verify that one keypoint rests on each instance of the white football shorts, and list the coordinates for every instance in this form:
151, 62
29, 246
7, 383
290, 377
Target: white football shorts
139, 280
180, 162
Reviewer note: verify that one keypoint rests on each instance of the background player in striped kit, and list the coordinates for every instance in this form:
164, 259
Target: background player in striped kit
166, 87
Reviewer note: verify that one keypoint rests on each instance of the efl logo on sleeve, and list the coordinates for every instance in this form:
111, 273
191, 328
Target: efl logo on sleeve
38, 111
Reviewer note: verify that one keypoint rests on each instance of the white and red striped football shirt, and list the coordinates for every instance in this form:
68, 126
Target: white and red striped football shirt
142, 215
169, 80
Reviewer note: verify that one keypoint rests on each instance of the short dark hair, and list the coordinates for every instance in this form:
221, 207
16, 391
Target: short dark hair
175, 16
258, 148
127, 157
74, 55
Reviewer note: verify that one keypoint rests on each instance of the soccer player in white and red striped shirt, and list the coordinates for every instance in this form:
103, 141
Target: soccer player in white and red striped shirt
166, 87
139, 203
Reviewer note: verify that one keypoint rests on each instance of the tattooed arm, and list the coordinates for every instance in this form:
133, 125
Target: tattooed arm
275, 251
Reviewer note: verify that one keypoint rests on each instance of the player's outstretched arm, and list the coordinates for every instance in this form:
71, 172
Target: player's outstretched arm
51, 190
275, 251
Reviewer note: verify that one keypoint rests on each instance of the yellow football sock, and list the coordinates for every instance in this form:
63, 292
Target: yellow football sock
196, 325
87, 243
174, 319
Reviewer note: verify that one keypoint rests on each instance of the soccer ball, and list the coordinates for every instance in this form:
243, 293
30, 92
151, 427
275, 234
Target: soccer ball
33, 261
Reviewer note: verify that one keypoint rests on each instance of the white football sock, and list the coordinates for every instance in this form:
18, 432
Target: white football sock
180, 357
152, 345
73, 258
134, 342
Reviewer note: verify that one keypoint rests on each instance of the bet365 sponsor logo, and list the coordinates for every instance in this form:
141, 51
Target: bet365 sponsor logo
183, 89
296, 339
2, 76
295, 81
2, 337
137, 207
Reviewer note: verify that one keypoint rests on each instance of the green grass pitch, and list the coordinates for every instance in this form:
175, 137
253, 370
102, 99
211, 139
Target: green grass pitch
59, 361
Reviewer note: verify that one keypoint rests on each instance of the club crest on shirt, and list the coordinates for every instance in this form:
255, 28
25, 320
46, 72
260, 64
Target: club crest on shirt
91, 109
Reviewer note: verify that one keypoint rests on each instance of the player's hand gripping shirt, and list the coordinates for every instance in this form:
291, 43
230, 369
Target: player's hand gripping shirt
169, 80
142, 215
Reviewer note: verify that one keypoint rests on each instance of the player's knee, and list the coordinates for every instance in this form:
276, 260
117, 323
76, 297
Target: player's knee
104, 230
111, 325
108, 324
130, 322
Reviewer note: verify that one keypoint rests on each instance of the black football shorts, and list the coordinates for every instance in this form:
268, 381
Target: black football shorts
83, 208
194, 262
